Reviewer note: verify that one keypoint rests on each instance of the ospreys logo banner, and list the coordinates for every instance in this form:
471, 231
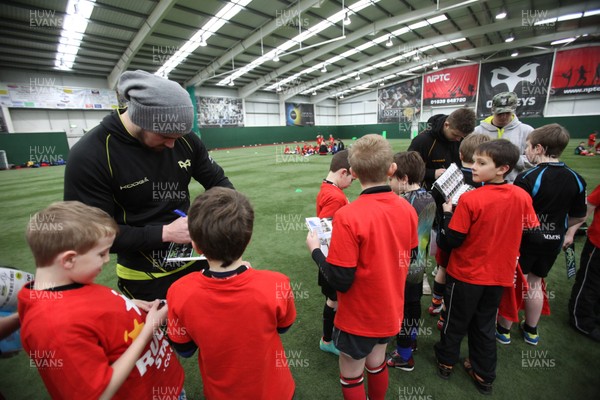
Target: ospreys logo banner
528, 77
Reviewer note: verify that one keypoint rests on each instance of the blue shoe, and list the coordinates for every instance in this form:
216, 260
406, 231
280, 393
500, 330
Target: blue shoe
502, 338
328, 347
530, 338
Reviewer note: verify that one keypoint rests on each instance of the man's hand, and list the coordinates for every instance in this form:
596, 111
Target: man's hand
439, 172
177, 231
312, 241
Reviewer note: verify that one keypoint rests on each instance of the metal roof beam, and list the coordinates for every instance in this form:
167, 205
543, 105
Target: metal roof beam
136, 44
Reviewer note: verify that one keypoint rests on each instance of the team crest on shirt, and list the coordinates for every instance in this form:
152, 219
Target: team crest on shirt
185, 164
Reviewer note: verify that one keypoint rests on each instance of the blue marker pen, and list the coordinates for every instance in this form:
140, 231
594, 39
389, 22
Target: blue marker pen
180, 213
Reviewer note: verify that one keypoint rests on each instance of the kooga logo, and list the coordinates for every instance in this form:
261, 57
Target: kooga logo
134, 184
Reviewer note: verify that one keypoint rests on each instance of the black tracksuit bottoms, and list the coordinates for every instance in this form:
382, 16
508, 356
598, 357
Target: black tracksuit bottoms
584, 305
470, 310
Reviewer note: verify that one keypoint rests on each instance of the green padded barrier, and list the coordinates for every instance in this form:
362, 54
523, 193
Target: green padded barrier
36, 147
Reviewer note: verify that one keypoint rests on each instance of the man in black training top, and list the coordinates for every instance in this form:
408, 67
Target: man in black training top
438, 144
137, 165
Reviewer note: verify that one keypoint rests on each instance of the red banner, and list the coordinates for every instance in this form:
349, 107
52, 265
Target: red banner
451, 86
576, 72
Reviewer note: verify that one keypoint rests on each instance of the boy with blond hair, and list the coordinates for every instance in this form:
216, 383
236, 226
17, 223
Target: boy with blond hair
87, 340
373, 239
207, 309
330, 199
466, 152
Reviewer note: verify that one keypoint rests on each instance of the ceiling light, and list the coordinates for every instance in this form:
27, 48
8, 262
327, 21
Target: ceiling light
570, 16
276, 57
203, 42
417, 57
341, 96
380, 40
501, 14
509, 39
435, 66
324, 69
347, 20
382, 83
74, 25
231, 83
357, 77
314, 93
389, 42
562, 41
514, 53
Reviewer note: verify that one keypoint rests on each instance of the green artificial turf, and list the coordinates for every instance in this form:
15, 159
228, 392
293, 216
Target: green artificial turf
282, 189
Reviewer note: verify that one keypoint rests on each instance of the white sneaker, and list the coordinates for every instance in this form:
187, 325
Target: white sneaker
426, 287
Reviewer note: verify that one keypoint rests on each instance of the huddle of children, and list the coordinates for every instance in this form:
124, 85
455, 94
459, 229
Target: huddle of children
114, 347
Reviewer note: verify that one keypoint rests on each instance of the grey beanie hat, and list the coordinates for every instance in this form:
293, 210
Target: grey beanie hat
157, 104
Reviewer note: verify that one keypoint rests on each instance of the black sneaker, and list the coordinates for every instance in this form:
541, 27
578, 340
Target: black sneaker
396, 361
482, 386
414, 346
444, 371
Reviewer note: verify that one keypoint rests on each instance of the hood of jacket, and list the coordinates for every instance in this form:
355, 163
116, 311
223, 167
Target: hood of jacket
435, 126
487, 124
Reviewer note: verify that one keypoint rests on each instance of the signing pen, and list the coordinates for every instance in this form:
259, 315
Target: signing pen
180, 213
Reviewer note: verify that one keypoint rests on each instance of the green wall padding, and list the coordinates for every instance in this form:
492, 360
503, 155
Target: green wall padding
215, 138
37, 147
578, 126
218, 138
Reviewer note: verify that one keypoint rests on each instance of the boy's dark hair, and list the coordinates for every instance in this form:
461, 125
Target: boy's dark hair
220, 221
411, 165
470, 143
554, 138
339, 161
463, 119
501, 151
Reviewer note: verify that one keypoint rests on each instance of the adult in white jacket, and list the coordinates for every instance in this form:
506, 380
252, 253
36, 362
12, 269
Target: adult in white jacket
503, 123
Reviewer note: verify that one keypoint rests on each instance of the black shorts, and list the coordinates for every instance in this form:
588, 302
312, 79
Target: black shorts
357, 347
152, 289
538, 263
326, 289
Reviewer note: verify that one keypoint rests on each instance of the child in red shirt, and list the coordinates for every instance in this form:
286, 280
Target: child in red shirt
585, 295
485, 234
86, 340
330, 199
373, 241
207, 309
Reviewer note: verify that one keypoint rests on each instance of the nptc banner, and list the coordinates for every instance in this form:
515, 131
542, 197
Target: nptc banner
400, 102
576, 72
451, 86
528, 77
299, 114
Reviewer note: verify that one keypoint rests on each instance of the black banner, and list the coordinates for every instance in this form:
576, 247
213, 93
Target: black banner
528, 77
